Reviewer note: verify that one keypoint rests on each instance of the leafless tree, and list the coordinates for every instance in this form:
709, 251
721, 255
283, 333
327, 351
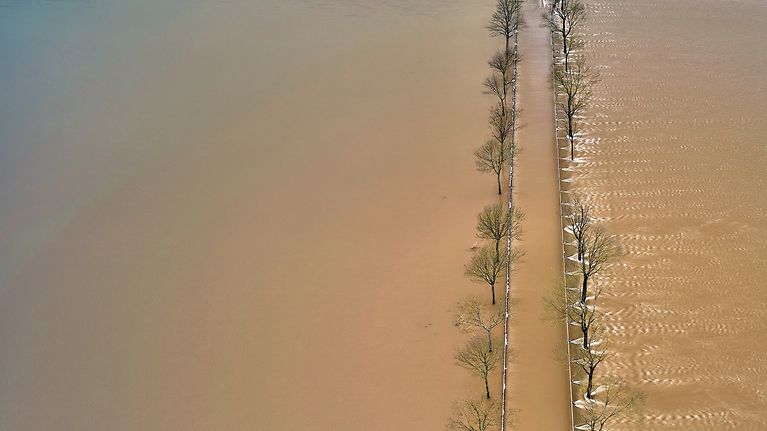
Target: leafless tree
576, 87
578, 219
501, 64
492, 157
476, 358
473, 316
486, 266
588, 318
493, 223
475, 415
615, 401
588, 359
564, 17
599, 250
502, 126
506, 19
497, 84
564, 302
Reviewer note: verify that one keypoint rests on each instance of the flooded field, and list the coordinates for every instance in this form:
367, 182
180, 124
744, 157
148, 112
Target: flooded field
255, 215
674, 161
237, 215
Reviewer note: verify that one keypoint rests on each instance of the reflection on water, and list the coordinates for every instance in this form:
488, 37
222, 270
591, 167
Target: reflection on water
674, 160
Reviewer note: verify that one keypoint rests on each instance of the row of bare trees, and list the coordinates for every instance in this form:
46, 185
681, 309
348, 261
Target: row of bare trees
498, 151
578, 301
573, 78
497, 224
487, 265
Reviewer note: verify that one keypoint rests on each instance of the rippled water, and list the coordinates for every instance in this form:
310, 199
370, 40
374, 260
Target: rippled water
673, 159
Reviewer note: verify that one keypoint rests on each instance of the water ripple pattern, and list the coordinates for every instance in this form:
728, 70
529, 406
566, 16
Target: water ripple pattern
672, 155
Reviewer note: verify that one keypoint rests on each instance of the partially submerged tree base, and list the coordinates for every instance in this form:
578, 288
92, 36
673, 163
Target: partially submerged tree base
615, 401
492, 157
494, 221
473, 316
487, 265
475, 357
576, 87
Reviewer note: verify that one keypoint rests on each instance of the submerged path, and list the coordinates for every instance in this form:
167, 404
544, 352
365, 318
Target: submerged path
538, 376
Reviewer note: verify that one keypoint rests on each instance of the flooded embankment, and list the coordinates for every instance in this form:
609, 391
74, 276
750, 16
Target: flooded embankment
539, 379
227, 216
673, 159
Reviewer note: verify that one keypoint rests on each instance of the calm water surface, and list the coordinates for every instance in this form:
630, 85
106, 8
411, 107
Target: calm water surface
236, 215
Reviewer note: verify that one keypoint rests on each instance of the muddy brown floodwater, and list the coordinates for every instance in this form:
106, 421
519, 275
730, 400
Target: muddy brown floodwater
237, 215
673, 159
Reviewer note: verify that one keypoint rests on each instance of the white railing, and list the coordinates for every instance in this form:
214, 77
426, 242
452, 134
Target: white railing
564, 251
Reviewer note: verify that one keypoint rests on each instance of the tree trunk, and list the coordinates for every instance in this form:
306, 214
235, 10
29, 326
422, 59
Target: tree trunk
567, 66
590, 386
572, 147
564, 40
492, 289
505, 87
502, 103
584, 289
489, 341
487, 388
498, 175
570, 128
585, 330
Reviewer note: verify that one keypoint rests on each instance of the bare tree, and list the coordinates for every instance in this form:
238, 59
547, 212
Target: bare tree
564, 302
501, 64
587, 317
563, 18
588, 359
497, 84
506, 19
576, 86
578, 220
492, 157
486, 266
502, 126
475, 415
615, 401
599, 250
473, 316
503, 149
493, 223
502, 61
476, 358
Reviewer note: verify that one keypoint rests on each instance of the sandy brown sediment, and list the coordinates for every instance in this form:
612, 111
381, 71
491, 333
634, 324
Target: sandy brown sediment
539, 378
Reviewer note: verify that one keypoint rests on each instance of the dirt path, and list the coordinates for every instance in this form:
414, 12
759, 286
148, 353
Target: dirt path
538, 379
